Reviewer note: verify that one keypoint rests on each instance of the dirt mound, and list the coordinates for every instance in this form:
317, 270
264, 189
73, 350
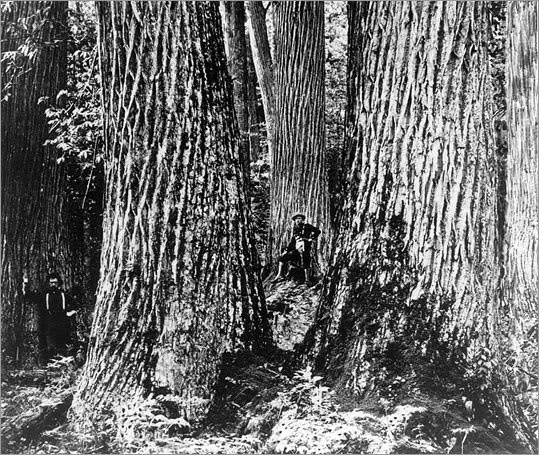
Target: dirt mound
292, 307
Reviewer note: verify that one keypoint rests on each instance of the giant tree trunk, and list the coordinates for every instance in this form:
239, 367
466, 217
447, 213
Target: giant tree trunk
522, 162
412, 290
35, 236
521, 252
179, 275
298, 176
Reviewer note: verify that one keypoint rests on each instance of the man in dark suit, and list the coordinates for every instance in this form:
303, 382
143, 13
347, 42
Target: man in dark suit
56, 312
298, 250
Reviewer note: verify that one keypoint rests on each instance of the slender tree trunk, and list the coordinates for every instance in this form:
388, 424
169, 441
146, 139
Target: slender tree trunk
260, 46
336, 53
179, 283
237, 44
412, 289
299, 179
255, 114
34, 229
522, 161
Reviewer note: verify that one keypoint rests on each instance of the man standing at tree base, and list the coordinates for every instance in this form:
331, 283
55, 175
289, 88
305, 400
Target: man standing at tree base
298, 250
58, 310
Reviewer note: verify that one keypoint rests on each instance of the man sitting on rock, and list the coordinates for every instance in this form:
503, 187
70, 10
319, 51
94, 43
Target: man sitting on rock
298, 250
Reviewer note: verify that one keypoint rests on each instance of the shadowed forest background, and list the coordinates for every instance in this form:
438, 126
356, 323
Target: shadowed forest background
154, 154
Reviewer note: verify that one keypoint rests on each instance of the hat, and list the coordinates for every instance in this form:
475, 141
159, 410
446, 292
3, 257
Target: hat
299, 215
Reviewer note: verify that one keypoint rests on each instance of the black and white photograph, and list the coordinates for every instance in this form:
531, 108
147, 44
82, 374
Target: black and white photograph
269, 227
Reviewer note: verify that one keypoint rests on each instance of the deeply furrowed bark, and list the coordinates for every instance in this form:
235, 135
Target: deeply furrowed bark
35, 231
298, 176
413, 284
179, 283
520, 249
522, 162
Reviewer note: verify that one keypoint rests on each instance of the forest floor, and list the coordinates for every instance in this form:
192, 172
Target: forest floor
262, 405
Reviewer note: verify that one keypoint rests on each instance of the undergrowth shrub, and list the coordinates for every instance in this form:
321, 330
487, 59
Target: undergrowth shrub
156, 417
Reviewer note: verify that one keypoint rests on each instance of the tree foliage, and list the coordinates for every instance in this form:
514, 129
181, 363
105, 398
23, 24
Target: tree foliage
76, 131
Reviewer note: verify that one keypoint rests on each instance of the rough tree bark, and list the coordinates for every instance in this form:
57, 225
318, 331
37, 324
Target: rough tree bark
520, 286
179, 283
258, 33
412, 287
35, 236
298, 176
522, 162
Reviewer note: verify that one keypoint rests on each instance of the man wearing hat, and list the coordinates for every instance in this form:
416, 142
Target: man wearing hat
299, 248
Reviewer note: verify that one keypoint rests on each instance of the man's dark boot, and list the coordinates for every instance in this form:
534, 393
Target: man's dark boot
308, 281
